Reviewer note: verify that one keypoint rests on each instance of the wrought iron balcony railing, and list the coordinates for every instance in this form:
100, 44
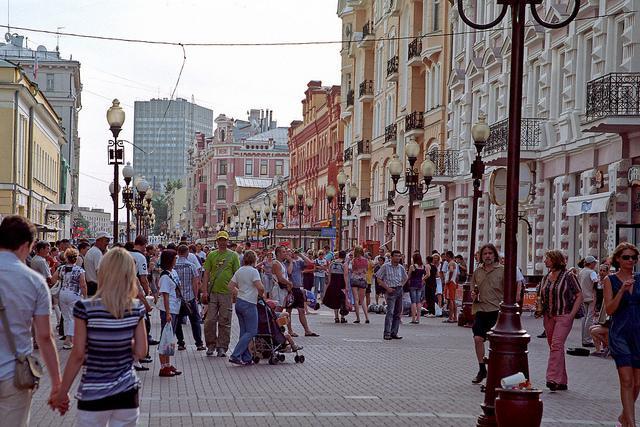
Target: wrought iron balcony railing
350, 96
365, 205
348, 154
615, 94
530, 134
366, 88
364, 147
415, 48
367, 29
447, 162
393, 65
390, 132
414, 121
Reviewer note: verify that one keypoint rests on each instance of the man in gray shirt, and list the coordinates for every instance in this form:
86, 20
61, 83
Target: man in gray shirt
39, 262
27, 302
588, 279
392, 277
92, 261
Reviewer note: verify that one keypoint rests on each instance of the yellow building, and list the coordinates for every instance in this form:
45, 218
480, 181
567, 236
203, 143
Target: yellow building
30, 141
395, 62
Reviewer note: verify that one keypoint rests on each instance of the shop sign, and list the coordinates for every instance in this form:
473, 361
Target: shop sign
430, 204
328, 232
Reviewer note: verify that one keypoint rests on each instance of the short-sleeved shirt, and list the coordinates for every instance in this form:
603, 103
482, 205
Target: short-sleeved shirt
108, 364
70, 276
229, 262
24, 294
320, 262
41, 265
186, 272
490, 288
168, 284
393, 276
296, 272
329, 256
91, 264
558, 297
588, 278
193, 259
142, 269
245, 278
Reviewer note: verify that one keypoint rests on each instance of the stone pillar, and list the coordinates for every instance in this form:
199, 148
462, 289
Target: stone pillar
540, 231
618, 211
460, 244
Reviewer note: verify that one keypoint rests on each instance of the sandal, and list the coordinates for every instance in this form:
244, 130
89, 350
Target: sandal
311, 334
294, 335
356, 321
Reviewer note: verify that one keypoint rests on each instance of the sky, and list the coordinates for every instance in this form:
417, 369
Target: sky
228, 80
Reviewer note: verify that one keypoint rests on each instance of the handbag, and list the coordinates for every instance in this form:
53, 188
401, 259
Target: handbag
185, 308
28, 369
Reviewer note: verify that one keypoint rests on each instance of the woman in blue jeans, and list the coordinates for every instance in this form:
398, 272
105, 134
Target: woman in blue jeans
246, 286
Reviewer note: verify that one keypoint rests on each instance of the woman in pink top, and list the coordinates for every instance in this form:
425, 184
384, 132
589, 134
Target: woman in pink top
359, 266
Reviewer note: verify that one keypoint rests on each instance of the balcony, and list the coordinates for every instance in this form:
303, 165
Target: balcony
414, 123
365, 205
350, 98
368, 37
613, 103
495, 150
392, 69
390, 133
365, 93
447, 165
348, 155
415, 50
363, 148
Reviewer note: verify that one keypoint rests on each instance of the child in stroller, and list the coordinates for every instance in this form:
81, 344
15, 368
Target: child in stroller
272, 342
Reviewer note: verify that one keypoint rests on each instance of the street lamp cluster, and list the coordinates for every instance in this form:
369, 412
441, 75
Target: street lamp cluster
299, 209
137, 197
341, 202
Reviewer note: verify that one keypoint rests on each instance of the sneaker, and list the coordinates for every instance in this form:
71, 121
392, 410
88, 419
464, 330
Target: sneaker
140, 368
166, 372
181, 347
200, 348
481, 376
236, 361
210, 352
387, 337
221, 353
396, 337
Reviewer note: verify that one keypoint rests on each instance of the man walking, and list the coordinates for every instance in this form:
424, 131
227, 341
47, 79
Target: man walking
39, 261
189, 275
24, 302
219, 268
392, 277
92, 261
588, 279
142, 273
488, 286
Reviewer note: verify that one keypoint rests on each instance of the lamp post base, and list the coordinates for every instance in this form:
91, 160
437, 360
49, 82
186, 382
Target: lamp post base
507, 355
465, 319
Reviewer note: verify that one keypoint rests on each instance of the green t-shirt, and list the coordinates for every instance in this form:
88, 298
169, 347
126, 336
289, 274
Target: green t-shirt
214, 261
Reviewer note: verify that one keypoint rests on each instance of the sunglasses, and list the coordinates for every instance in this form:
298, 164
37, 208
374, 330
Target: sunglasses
628, 257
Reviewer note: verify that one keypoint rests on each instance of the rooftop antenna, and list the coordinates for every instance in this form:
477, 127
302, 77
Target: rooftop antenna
58, 38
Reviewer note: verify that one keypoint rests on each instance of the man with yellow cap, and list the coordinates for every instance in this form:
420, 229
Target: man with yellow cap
219, 268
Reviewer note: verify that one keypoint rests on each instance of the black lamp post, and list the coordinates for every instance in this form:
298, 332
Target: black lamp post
341, 202
413, 187
508, 340
127, 195
115, 118
142, 187
299, 206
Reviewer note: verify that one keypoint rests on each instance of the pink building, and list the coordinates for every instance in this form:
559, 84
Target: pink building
254, 149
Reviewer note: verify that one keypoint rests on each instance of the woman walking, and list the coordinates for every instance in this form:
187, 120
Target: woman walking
109, 328
430, 287
73, 288
169, 304
335, 296
267, 273
622, 303
246, 286
439, 287
359, 267
417, 274
561, 297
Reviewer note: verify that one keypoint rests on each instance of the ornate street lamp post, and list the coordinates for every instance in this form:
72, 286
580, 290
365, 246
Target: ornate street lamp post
127, 195
508, 340
115, 118
413, 186
142, 188
302, 202
341, 203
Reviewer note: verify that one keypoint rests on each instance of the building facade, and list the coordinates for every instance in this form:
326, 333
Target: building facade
98, 220
316, 150
31, 141
395, 62
254, 149
59, 80
163, 131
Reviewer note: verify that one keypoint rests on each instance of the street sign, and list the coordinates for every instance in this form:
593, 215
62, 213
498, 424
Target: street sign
328, 232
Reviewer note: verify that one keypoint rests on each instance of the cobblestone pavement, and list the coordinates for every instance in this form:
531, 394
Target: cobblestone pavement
352, 377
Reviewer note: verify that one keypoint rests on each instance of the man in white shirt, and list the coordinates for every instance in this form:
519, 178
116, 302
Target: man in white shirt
92, 261
39, 261
142, 272
588, 279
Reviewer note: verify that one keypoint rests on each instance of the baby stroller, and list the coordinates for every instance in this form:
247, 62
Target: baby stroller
270, 342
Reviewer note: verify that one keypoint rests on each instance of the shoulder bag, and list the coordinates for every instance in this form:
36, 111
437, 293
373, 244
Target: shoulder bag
28, 369
185, 308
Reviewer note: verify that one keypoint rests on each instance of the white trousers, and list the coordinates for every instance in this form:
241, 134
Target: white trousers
115, 418
67, 300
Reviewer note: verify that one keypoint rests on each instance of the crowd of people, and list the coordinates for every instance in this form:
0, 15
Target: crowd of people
102, 299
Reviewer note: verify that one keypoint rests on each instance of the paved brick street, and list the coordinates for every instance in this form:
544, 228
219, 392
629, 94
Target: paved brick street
352, 377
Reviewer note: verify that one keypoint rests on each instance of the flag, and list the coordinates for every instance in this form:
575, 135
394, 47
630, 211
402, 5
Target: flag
35, 68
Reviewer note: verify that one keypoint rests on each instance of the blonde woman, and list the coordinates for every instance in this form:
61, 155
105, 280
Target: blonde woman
73, 288
109, 330
359, 267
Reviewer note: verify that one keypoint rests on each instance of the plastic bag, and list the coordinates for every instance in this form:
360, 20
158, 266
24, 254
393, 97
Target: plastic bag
167, 346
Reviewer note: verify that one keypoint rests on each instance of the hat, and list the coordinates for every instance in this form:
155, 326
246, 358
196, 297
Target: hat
222, 235
103, 235
590, 259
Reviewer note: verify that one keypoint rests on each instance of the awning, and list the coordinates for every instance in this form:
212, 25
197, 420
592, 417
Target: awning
589, 204
56, 207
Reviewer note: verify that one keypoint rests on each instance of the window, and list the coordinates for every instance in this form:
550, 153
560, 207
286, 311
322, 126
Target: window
279, 167
222, 167
436, 15
220, 215
264, 167
222, 193
248, 167
50, 81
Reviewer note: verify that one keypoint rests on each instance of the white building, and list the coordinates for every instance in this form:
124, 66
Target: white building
98, 220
